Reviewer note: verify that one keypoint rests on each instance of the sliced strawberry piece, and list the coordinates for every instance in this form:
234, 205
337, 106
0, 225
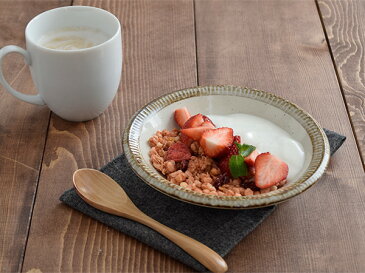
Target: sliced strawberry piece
198, 120
208, 124
269, 170
223, 163
181, 115
233, 150
250, 160
195, 133
178, 152
208, 120
215, 141
186, 140
237, 139
194, 121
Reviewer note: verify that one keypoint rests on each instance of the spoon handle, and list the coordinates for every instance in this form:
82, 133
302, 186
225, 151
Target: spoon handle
103, 193
205, 255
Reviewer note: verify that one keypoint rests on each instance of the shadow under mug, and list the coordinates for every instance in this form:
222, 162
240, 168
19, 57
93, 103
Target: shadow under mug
77, 85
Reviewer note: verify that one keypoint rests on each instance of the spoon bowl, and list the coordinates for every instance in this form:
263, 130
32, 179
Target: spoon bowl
102, 192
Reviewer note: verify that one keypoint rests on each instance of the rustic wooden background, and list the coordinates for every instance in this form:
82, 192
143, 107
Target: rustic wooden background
311, 52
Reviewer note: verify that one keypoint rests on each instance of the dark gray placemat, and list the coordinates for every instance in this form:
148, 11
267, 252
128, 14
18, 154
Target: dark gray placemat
219, 229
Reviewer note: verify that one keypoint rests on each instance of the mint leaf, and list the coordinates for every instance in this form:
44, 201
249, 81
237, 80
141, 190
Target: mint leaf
244, 149
237, 166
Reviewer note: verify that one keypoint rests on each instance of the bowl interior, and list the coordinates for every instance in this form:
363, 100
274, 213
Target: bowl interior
226, 105
216, 101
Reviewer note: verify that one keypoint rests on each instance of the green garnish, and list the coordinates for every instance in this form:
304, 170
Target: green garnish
244, 149
237, 166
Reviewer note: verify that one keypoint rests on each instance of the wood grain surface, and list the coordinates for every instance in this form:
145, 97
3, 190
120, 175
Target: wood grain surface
345, 27
23, 131
279, 46
159, 57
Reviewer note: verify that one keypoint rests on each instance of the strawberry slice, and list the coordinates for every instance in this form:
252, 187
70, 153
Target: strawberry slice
236, 139
208, 124
181, 115
198, 120
215, 141
178, 152
250, 160
196, 132
223, 163
194, 121
186, 140
208, 120
269, 170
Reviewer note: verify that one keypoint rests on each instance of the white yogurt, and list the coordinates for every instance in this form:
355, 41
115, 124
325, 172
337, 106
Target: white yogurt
267, 137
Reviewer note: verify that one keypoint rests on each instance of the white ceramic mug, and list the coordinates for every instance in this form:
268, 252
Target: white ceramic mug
79, 84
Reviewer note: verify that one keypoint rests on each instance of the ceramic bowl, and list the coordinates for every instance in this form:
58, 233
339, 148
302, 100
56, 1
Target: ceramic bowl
224, 100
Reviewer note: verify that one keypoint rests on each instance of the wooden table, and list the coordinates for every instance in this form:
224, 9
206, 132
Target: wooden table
310, 52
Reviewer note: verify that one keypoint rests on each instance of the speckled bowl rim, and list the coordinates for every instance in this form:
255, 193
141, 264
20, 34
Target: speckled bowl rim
316, 168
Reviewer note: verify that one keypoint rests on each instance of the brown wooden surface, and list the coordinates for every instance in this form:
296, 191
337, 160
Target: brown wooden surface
23, 131
278, 46
344, 22
159, 56
286, 53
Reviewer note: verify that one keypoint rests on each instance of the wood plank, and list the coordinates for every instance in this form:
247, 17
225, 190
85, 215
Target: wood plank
279, 46
23, 130
345, 28
159, 57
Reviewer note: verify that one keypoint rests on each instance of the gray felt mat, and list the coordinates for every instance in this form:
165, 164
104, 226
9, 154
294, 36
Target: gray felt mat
206, 225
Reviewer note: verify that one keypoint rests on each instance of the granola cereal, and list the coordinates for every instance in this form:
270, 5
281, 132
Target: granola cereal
202, 173
198, 157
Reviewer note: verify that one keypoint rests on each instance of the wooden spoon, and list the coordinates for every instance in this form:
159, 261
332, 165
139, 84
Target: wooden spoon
103, 193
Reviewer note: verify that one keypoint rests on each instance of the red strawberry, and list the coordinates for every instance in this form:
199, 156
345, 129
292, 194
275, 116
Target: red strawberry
250, 160
208, 120
178, 152
215, 141
223, 163
195, 133
237, 139
186, 140
194, 121
181, 115
269, 170
208, 124
233, 150
198, 120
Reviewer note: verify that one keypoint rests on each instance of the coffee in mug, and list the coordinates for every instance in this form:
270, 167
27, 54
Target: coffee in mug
75, 58
71, 38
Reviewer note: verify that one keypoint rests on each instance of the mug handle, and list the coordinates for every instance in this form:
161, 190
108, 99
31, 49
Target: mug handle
35, 99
